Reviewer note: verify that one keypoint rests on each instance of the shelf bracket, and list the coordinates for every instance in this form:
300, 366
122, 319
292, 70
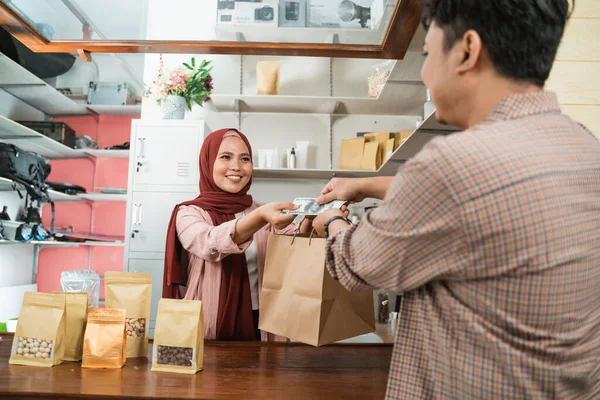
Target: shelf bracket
239, 37
238, 110
85, 55
335, 40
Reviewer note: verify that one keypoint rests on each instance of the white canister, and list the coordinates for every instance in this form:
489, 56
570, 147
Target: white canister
302, 154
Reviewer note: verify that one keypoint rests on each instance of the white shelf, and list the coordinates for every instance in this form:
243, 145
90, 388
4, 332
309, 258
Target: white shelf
131, 110
274, 34
28, 139
325, 174
103, 196
24, 85
99, 153
57, 197
51, 243
397, 98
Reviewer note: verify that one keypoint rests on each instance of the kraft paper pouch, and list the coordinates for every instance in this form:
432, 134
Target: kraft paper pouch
267, 77
104, 343
351, 153
381, 138
132, 292
178, 337
370, 158
76, 308
300, 300
389, 148
399, 137
40, 334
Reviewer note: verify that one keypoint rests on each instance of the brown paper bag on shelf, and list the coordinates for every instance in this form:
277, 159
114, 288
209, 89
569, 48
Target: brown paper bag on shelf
400, 137
104, 343
351, 153
301, 301
381, 138
132, 292
76, 308
179, 337
40, 336
389, 148
267, 77
370, 159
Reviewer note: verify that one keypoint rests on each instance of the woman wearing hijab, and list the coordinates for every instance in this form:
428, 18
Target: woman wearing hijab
216, 243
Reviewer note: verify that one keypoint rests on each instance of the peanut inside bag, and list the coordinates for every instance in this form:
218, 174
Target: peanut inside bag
132, 292
178, 337
104, 343
39, 338
76, 308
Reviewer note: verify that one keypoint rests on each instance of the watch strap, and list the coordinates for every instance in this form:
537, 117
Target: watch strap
326, 226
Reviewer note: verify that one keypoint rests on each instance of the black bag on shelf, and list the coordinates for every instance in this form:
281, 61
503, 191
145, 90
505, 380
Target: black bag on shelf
26, 168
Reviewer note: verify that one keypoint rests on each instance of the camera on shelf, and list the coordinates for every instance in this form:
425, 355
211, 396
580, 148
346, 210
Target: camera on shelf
265, 13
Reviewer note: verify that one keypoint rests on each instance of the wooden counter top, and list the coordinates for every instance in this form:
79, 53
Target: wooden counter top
231, 370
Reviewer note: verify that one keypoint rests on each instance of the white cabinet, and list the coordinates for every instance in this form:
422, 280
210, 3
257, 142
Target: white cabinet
154, 267
163, 171
165, 153
150, 216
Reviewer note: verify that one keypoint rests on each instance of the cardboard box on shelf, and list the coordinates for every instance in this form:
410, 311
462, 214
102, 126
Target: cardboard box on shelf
247, 13
292, 13
265, 13
339, 14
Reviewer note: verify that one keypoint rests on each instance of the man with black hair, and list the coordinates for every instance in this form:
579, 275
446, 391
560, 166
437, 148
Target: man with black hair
492, 233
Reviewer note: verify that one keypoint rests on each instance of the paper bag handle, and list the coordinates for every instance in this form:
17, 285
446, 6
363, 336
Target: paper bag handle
309, 238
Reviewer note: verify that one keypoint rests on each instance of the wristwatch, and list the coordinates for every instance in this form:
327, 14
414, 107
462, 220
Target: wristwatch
326, 226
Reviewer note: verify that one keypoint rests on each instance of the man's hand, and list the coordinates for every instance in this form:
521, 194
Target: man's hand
348, 189
319, 222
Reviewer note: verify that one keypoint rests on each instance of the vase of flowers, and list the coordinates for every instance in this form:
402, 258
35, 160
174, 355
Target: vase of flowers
179, 89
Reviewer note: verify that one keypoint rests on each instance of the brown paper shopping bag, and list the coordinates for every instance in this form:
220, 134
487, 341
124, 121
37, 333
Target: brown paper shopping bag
301, 301
40, 336
381, 138
132, 292
179, 337
76, 308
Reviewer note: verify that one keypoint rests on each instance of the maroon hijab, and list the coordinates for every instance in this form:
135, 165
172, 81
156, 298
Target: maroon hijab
234, 317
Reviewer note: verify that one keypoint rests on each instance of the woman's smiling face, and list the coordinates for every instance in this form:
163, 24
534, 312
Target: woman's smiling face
233, 166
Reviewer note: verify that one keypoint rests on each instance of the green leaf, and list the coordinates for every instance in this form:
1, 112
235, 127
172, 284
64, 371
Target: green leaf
193, 61
187, 66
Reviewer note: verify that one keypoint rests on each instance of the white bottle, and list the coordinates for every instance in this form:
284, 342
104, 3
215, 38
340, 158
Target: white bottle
292, 160
428, 107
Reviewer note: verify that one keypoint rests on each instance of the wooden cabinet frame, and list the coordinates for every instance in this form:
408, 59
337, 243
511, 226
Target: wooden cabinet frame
403, 25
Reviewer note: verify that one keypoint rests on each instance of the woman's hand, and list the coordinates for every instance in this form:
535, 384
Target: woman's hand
272, 213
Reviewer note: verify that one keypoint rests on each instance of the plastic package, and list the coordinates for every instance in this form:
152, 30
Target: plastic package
82, 281
378, 77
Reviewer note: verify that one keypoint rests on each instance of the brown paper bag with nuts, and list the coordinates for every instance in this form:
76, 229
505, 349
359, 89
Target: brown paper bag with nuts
76, 308
178, 337
104, 343
40, 335
132, 292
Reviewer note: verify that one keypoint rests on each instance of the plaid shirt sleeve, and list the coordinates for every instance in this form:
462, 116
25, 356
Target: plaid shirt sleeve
415, 236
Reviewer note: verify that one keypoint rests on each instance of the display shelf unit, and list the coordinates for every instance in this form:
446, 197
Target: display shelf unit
30, 140
429, 129
27, 87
